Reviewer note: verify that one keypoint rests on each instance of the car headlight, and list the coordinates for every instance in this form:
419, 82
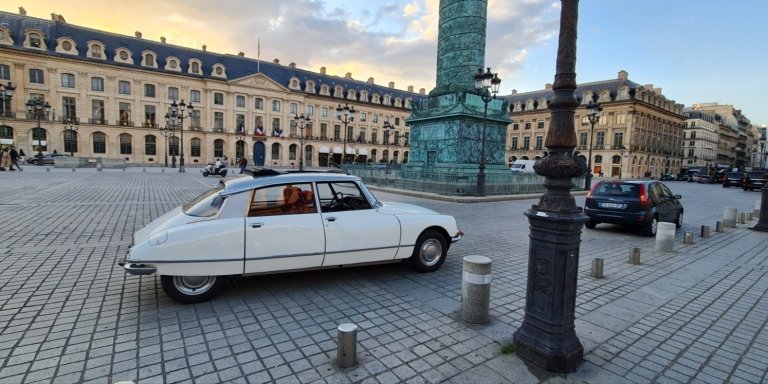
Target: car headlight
158, 238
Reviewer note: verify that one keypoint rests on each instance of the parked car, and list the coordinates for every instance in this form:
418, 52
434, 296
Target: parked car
46, 159
732, 179
718, 177
642, 204
753, 180
278, 221
702, 179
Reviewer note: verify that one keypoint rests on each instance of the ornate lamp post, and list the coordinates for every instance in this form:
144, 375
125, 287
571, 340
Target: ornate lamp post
594, 111
167, 132
345, 115
6, 92
487, 86
38, 110
72, 123
301, 122
175, 118
388, 128
547, 337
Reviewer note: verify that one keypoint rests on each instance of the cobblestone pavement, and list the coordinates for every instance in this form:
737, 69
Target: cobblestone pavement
69, 314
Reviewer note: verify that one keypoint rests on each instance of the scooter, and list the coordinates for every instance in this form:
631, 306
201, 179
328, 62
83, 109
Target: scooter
211, 169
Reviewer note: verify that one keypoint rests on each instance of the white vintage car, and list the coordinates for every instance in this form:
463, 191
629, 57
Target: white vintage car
276, 221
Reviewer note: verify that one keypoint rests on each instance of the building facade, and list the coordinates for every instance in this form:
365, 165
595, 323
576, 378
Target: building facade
736, 135
700, 145
640, 131
108, 96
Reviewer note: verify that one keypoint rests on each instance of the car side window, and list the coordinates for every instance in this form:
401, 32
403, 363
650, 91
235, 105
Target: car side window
666, 191
341, 196
285, 199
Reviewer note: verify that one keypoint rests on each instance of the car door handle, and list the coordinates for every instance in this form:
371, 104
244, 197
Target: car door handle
332, 218
257, 225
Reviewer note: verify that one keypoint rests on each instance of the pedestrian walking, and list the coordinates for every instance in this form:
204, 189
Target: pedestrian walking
243, 163
15, 159
5, 160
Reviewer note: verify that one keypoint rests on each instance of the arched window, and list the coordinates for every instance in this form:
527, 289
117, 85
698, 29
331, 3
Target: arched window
195, 147
275, 151
616, 159
218, 148
39, 139
70, 141
598, 159
126, 147
6, 132
150, 145
173, 146
292, 149
99, 142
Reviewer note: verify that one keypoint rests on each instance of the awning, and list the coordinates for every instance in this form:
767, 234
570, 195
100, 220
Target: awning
336, 149
324, 149
362, 152
6, 141
350, 151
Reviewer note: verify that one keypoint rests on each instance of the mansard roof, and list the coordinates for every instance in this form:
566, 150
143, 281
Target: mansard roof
236, 66
613, 86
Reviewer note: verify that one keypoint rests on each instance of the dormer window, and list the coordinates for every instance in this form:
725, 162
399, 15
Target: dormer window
363, 96
194, 67
294, 84
172, 64
352, 95
387, 100
375, 99
542, 104
95, 50
219, 71
529, 105
324, 90
398, 102
66, 46
148, 59
123, 55
338, 91
34, 39
309, 87
5, 36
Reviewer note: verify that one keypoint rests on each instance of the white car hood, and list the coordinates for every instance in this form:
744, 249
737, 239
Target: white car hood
404, 209
170, 219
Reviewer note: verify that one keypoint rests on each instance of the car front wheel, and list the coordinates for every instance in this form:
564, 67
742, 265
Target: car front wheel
650, 230
679, 221
430, 252
590, 224
191, 289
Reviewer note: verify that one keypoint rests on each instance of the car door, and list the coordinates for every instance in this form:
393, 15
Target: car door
673, 205
283, 229
355, 231
664, 206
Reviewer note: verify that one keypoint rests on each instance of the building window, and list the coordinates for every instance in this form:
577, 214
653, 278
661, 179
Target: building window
397, 121
324, 112
218, 121
526, 142
374, 135
35, 41
70, 141
600, 139
621, 117
539, 140
96, 51
337, 132
240, 101
294, 109
218, 98
150, 145
36, 76
259, 103
149, 90
540, 125
67, 80
514, 143
125, 114
149, 60
124, 87
527, 125
275, 105
195, 147
195, 67
275, 151
97, 84
375, 118
618, 139
310, 110
240, 123
515, 126
69, 108
583, 139
149, 116
125, 144
194, 96
38, 137
259, 123
5, 72
97, 111
173, 93
173, 146
276, 130
195, 122
218, 148
99, 143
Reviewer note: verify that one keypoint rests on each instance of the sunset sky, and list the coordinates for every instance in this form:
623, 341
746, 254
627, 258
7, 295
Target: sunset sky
695, 50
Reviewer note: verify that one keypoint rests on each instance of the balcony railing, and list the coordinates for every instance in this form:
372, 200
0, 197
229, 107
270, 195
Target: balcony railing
97, 121
9, 114
125, 123
149, 124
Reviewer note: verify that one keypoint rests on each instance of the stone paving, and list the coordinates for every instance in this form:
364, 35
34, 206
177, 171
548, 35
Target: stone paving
68, 314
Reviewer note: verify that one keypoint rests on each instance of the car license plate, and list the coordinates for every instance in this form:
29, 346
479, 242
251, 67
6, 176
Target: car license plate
613, 205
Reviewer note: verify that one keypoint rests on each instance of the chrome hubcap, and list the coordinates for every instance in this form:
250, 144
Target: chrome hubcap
193, 285
430, 252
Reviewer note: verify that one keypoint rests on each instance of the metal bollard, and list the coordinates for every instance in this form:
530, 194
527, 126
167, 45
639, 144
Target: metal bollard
719, 226
73, 169
750, 216
729, 217
634, 255
665, 237
163, 170
346, 353
47, 169
688, 237
99, 166
476, 289
705, 231
597, 267
742, 218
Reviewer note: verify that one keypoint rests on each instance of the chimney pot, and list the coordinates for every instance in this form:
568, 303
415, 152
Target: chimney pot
137, 34
276, 61
391, 84
162, 39
322, 70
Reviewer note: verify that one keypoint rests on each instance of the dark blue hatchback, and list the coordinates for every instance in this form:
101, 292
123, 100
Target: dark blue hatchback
642, 203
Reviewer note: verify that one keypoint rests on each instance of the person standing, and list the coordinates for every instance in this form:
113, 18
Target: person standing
243, 163
5, 159
15, 159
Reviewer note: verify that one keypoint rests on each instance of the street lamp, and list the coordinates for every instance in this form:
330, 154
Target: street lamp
487, 86
167, 132
72, 123
38, 110
6, 91
388, 128
175, 118
301, 122
594, 111
345, 115
762, 151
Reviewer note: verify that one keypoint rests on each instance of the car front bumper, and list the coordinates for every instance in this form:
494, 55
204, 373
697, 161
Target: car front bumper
458, 236
136, 268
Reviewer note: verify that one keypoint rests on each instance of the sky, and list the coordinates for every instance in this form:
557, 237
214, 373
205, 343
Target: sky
697, 51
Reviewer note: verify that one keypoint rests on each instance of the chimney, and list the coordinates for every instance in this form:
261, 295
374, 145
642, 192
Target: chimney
22, 11
623, 75
514, 91
547, 87
322, 70
241, 54
422, 91
137, 34
348, 76
657, 90
391, 84
648, 87
410, 88
370, 80
162, 39
276, 61
205, 48
58, 18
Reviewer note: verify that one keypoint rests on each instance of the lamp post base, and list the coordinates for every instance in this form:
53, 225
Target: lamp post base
181, 164
762, 223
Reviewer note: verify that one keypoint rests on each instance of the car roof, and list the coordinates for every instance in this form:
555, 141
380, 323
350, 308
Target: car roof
261, 176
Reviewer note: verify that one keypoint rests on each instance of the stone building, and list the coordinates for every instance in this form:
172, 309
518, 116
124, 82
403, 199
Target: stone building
109, 95
701, 137
736, 136
640, 130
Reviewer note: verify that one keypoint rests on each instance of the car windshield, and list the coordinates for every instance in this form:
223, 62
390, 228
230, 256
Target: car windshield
617, 190
206, 204
755, 175
734, 175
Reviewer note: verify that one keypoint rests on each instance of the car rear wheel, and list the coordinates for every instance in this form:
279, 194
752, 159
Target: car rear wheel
191, 289
650, 230
679, 221
590, 224
430, 252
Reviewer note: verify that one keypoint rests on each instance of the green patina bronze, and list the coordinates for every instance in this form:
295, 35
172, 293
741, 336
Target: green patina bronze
447, 126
